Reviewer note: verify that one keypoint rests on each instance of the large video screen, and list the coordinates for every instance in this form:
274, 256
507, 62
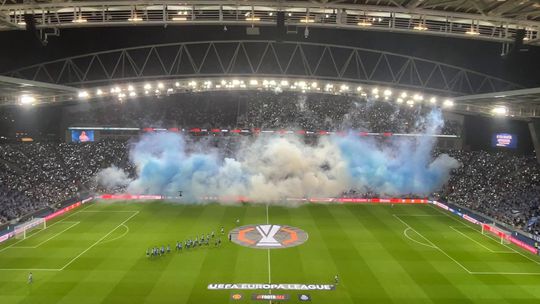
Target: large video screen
504, 140
80, 136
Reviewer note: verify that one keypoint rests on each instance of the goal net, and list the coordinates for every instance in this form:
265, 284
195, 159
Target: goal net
492, 230
23, 229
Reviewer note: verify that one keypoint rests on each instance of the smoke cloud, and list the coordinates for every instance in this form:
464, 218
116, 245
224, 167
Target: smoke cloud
270, 169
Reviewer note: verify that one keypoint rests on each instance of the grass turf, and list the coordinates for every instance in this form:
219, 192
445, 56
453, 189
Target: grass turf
383, 254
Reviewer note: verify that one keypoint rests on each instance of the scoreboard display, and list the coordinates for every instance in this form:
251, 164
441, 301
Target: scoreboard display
504, 140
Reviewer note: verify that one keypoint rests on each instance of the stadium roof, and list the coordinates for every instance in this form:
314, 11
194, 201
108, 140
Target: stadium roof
15, 90
492, 20
523, 103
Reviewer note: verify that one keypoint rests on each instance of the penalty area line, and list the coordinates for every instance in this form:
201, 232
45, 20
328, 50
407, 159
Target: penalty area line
98, 241
52, 237
434, 246
487, 235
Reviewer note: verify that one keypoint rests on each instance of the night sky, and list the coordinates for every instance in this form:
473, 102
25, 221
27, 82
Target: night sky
21, 48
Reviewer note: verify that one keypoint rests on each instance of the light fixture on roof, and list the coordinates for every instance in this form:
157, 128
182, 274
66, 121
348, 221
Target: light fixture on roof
387, 93
448, 103
307, 19
99, 92
418, 97
147, 86
132, 94
421, 26
365, 22
27, 99
79, 19
160, 85
500, 110
472, 31
83, 94
134, 17
433, 100
179, 18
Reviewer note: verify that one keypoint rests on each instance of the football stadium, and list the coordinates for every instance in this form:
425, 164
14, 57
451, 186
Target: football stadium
322, 151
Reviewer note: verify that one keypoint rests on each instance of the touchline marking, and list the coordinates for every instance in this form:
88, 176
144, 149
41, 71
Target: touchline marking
98, 241
52, 237
105, 211
429, 215
488, 249
434, 246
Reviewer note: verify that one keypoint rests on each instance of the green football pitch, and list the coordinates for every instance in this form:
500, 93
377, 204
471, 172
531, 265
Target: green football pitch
382, 254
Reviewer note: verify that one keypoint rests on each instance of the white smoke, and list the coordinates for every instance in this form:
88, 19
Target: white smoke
274, 168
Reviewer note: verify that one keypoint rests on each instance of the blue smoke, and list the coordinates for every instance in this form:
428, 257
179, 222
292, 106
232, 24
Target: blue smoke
274, 168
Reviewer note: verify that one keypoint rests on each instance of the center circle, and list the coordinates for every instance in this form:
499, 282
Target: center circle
268, 236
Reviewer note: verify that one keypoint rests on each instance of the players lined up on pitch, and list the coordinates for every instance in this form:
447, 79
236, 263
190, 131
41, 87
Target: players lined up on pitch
204, 240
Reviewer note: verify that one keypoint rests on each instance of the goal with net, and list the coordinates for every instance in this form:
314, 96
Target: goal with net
21, 231
502, 235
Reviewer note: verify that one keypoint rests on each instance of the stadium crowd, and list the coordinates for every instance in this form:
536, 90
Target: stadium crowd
35, 175
263, 110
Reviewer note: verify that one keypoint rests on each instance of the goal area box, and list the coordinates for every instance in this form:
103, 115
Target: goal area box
21, 230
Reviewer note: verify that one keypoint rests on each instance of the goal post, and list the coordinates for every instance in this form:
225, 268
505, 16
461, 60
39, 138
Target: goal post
21, 230
503, 236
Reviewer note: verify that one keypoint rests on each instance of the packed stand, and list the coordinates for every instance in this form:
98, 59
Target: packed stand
36, 175
264, 110
501, 185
